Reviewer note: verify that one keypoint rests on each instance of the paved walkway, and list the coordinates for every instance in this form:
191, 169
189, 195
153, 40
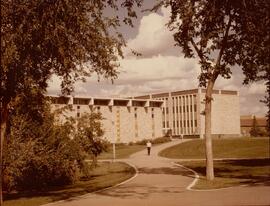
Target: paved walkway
160, 183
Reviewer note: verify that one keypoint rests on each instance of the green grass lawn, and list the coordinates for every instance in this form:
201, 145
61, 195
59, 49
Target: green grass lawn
121, 151
105, 175
222, 148
232, 173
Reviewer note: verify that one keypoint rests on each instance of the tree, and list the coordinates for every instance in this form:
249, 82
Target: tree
218, 33
254, 131
39, 152
70, 39
90, 135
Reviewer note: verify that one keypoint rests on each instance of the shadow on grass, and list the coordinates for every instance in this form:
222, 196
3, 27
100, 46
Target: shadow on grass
164, 170
252, 172
69, 192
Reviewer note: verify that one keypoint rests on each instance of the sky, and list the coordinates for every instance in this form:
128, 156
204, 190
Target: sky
161, 68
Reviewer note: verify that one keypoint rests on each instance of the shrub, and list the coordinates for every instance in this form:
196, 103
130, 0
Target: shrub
158, 140
46, 158
39, 153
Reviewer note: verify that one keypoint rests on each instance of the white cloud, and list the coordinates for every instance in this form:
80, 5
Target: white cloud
257, 88
162, 69
158, 67
54, 85
153, 36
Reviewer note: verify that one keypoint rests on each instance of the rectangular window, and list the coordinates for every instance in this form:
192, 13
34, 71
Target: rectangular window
78, 107
152, 115
81, 101
78, 114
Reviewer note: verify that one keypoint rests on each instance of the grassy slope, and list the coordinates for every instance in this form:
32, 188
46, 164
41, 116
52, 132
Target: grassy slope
232, 173
106, 175
122, 151
222, 148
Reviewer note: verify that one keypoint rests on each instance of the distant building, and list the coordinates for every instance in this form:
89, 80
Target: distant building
247, 123
179, 113
125, 120
183, 112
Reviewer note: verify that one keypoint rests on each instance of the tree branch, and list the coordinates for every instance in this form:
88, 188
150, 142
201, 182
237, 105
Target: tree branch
224, 41
199, 52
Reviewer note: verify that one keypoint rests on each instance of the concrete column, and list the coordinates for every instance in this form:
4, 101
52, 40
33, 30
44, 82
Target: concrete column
174, 115
165, 112
186, 114
189, 115
178, 119
193, 113
183, 114
170, 116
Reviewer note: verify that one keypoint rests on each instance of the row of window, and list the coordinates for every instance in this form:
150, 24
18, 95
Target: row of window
184, 123
185, 109
180, 124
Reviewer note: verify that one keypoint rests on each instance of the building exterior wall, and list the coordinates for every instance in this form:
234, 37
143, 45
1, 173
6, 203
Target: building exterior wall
131, 121
183, 112
225, 119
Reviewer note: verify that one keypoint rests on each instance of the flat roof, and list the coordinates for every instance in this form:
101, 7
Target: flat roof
183, 92
106, 101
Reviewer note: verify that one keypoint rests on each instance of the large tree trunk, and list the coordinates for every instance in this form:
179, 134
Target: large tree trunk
208, 138
3, 122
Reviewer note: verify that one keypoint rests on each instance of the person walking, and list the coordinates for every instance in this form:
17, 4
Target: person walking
148, 145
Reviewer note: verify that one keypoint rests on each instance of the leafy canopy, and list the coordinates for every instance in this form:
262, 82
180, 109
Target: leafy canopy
69, 38
223, 34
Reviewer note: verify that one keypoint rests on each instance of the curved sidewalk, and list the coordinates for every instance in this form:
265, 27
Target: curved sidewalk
161, 183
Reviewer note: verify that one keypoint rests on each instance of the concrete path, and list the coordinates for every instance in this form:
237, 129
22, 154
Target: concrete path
160, 183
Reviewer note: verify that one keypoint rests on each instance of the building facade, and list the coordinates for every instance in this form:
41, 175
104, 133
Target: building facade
247, 122
183, 112
125, 120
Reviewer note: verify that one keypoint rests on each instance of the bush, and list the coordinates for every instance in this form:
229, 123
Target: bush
46, 158
39, 153
158, 140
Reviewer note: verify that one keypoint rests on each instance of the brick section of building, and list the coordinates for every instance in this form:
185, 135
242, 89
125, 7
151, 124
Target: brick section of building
125, 120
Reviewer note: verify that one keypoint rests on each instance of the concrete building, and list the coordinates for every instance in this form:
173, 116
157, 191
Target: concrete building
125, 120
183, 112
247, 124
